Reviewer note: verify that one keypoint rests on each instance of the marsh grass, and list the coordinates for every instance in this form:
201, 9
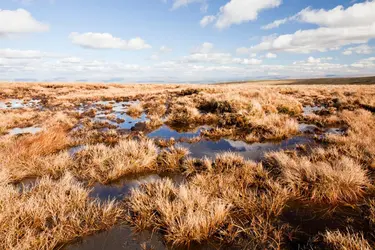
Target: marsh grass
226, 200
33, 155
31, 222
106, 164
171, 159
323, 177
337, 240
234, 201
135, 110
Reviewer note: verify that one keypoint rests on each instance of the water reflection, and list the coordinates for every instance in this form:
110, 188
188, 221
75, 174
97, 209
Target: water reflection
255, 151
166, 132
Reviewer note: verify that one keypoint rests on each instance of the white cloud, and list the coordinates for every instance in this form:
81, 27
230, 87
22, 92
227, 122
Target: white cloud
17, 54
182, 3
165, 49
271, 55
239, 11
365, 63
71, 60
19, 21
360, 14
107, 41
204, 48
338, 27
361, 49
205, 54
207, 20
321, 39
275, 24
242, 51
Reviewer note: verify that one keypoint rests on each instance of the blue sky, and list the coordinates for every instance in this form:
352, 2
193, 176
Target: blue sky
185, 40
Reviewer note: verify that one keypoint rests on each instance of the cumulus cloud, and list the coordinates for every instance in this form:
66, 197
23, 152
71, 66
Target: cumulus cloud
107, 41
239, 11
165, 49
12, 53
360, 14
363, 49
271, 55
207, 20
321, 39
275, 24
182, 3
205, 53
19, 21
204, 48
365, 63
338, 27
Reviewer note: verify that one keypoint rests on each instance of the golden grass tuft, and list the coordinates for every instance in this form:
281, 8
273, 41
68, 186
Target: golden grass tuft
171, 159
35, 155
135, 110
106, 164
186, 214
32, 222
183, 115
237, 203
323, 177
337, 240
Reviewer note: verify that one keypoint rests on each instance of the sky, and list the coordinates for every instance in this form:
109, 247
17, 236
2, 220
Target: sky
185, 40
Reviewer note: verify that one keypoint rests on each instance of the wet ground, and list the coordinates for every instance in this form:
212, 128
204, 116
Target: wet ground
120, 237
19, 104
28, 130
122, 188
254, 151
115, 113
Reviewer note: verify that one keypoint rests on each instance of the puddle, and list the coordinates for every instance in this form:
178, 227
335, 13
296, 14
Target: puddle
74, 150
122, 188
254, 151
28, 130
166, 132
120, 237
19, 104
26, 184
335, 131
116, 110
309, 110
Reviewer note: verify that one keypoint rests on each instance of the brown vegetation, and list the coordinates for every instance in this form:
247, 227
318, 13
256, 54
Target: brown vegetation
319, 196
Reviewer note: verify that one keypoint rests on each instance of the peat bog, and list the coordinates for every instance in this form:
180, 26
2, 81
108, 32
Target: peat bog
239, 166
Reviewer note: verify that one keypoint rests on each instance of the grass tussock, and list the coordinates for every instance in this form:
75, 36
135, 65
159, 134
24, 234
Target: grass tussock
135, 110
323, 177
187, 214
171, 159
106, 164
183, 115
337, 240
233, 200
35, 155
31, 222
359, 142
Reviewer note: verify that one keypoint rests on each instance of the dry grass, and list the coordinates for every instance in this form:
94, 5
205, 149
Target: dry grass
171, 159
322, 177
228, 200
337, 240
135, 110
188, 217
106, 164
235, 201
359, 143
35, 155
32, 222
